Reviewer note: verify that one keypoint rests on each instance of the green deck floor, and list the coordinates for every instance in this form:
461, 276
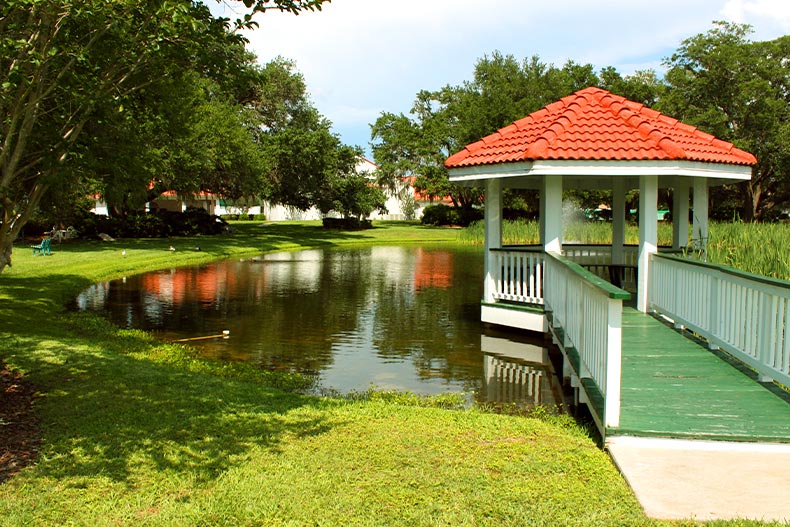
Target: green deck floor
674, 387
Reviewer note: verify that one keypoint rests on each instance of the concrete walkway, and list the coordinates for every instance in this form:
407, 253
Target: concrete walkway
706, 480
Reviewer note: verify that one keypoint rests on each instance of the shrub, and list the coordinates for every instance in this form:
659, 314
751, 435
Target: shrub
353, 224
194, 221
445, 215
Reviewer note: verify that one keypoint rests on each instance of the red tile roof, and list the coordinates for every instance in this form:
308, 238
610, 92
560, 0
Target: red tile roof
594, 124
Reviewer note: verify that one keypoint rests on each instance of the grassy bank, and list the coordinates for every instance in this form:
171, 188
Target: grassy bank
137, 432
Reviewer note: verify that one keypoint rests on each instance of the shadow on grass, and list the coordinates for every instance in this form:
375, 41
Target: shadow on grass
110, 414
32, 301
108, 409
105, 408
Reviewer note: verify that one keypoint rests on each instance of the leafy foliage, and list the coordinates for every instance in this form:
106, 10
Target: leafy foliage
70, 70
193, 221
445, 215
353, 196
739, 91
502, 90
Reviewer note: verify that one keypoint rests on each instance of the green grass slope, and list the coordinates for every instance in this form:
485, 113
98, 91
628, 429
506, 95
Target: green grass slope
139, 432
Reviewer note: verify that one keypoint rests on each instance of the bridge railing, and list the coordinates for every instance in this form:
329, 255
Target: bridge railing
518, 275
746, 315
598, 260
518, 271
586, 314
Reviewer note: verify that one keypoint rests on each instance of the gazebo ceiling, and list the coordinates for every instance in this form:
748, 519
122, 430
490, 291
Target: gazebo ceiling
593, 136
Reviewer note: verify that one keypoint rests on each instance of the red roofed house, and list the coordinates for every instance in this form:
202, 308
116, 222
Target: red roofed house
592, 139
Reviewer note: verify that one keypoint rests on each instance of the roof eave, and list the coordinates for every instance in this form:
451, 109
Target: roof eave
603, 168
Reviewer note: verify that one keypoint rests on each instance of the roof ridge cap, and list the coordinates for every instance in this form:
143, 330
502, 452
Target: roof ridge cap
540, 146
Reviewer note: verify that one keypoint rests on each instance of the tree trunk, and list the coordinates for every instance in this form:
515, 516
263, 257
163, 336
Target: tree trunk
14, 219
5, 254
753, 201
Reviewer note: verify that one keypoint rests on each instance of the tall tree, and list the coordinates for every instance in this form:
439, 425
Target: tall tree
739, 91
644, 86
418, 147
304, 157
62, 60
502, 90
192, 132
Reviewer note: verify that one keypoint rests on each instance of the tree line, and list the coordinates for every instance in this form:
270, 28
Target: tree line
129, 98
719, 81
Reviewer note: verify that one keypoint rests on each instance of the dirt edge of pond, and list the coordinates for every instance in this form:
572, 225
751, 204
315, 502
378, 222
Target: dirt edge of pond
20, 431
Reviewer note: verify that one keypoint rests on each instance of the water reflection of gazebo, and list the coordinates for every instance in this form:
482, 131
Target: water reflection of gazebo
596, 140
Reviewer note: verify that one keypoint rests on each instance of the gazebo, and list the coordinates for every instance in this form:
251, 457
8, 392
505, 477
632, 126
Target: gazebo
594, 139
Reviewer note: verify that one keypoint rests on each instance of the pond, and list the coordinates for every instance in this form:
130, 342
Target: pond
396, 317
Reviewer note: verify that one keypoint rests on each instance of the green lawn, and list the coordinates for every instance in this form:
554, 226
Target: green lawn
137, 432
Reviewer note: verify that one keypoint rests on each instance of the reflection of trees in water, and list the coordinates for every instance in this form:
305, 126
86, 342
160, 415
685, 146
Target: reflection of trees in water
419, 323
287, 311
283, 313
297, 326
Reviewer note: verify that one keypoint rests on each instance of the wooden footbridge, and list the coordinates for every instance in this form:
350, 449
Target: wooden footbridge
705, 362
678, 347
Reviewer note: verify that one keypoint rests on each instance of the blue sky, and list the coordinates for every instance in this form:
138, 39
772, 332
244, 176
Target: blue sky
364, 57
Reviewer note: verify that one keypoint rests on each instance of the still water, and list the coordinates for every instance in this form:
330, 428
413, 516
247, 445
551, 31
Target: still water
405, 318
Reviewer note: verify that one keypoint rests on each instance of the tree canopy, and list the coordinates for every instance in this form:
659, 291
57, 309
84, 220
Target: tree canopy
739, 91
720, 81
106, 86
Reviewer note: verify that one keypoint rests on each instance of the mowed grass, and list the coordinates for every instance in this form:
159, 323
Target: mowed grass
139, 432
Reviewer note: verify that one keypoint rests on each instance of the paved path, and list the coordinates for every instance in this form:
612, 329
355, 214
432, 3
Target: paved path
706, 480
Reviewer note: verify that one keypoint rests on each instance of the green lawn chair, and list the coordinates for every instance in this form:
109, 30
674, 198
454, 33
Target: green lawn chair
42, 248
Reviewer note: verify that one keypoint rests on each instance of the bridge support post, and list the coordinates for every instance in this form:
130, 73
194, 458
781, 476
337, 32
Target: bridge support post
613, 364
493, 235
648, 235
680, 214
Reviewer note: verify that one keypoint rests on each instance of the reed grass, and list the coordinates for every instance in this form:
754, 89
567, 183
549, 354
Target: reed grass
759, 248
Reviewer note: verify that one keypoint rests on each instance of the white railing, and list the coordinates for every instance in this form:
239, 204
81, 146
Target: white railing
517, 272
589, 312
518, 275
598, 260
598, 254
746, 315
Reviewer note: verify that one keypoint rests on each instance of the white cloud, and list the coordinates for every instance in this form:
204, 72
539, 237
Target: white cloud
770, 18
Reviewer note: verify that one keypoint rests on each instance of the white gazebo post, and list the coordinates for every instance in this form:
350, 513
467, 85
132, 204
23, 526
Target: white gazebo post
699, 234
618, 221
551, 214
493, 235
648, 235
680, 213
